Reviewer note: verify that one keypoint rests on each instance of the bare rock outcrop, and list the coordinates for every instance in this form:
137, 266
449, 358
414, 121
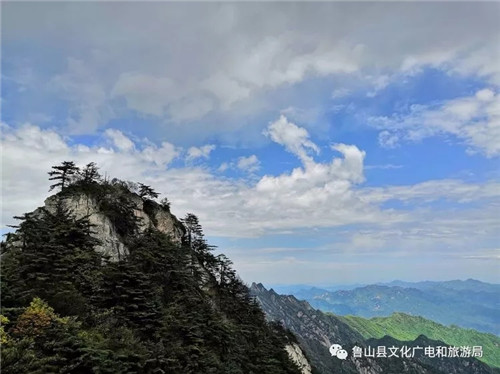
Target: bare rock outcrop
296, 355
111, 243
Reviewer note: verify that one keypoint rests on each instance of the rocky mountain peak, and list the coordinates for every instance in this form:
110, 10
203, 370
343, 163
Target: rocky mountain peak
257, 288
147, 214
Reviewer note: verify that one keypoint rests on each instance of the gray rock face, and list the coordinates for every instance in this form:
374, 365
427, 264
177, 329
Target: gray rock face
295, 353
111, 243
169, 224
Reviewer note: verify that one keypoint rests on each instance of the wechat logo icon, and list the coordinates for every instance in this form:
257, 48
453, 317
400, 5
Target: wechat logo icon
337, 351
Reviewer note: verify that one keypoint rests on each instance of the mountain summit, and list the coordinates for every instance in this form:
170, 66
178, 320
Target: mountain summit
104, 279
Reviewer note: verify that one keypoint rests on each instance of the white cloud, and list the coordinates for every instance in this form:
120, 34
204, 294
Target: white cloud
340, 92
227, 89
220, 77
442, 233
223, 167
482, 60
425, 192
160, 156
238, 55
119, 140
305, 200
473, 119
485, 95
367, 241
378, 83
29, 153
226, 207
294, 138
387, 139
273, 61
487, 255
316, 195
302, 115
249, 164
203, 151
33, 137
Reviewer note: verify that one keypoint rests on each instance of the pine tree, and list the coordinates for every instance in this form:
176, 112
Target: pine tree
194, 232
147, 191
63, 173
57, 262
90, 174
130, 294
165, 203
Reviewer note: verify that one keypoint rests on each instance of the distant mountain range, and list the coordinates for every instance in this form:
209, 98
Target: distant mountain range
317, 331
293, 289
471, 303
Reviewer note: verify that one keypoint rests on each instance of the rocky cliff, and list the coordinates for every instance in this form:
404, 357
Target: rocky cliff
147, 213
297, 355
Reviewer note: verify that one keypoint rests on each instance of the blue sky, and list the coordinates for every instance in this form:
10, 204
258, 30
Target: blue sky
318, 143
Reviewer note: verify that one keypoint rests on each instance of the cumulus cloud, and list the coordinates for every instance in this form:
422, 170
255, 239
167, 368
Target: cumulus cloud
249, 164
33, 137
119, 140
200, 152
473, 119
304, 201
315, 195
294, 138
227, 207
160, 156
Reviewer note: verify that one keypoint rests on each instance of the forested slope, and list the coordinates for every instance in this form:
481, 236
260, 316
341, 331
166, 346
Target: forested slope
145, 295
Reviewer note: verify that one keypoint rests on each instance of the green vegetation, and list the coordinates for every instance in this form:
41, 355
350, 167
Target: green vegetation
406, 327
164, 308
470, 304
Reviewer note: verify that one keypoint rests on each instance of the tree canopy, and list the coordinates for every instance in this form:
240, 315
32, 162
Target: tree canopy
164, 308
63, 174
147, 191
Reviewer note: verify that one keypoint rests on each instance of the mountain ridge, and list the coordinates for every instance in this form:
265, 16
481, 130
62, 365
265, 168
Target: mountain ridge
97, 281
316, 331
469, 304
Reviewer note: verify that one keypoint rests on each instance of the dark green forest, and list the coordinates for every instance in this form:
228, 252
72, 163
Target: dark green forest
166, 307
